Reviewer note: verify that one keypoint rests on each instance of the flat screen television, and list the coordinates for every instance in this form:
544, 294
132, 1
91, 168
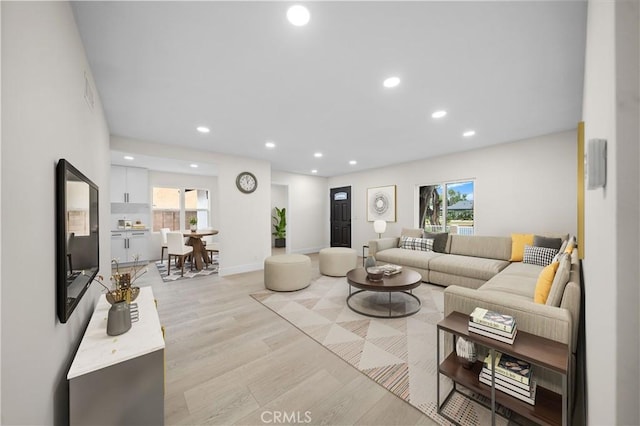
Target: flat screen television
77, 237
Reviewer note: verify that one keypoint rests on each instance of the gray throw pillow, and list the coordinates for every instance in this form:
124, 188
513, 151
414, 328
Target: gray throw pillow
439, 240
553, 243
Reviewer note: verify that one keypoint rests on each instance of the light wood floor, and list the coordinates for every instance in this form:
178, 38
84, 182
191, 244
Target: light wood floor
230, 360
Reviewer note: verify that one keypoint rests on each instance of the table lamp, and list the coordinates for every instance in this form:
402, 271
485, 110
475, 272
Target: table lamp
379, 226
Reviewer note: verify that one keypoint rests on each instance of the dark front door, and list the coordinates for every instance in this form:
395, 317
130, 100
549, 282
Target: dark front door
341, 217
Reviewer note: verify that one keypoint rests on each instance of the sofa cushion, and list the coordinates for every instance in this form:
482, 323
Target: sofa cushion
519, 269
467, 266
560, 281
538, 255
516, 285
571, 243
518, 241
439, 240
480, 246
543, 285
563, 247
410, 258
541, 241
421, 244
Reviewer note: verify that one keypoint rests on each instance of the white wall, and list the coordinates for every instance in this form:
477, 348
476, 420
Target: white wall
44, 118
1, 417
180, 180
243, 218
610, 111
525, 186
308, 212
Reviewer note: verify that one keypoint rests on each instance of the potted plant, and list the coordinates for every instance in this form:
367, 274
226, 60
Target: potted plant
193, 221
280, 227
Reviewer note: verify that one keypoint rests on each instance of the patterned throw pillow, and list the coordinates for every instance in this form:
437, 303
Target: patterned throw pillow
542, 256
422, 244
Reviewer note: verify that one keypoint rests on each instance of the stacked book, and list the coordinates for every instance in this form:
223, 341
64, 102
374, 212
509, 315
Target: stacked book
492, 324
512, 376
390, 269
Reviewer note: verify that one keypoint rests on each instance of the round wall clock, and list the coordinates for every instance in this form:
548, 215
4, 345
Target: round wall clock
246, 182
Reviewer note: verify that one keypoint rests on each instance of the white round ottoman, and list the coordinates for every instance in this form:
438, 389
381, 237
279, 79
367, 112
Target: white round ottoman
287, 272
337, 261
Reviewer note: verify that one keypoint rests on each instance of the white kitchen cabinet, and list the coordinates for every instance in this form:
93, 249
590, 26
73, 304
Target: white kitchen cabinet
126, 244
129, 185
119, 380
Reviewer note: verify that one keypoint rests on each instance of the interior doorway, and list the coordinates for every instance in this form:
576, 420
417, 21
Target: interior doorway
340, 216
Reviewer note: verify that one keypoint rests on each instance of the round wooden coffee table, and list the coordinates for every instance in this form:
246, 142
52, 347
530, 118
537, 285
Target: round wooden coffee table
401, 283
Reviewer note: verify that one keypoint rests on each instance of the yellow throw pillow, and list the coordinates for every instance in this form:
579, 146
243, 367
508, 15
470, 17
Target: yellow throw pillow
518, 241
545, 279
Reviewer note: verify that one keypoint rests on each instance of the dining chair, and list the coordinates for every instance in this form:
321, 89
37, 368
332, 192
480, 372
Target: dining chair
210, 246
163, 233
177, 249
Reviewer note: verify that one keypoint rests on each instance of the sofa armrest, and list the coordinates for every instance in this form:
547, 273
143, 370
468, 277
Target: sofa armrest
545, 321
382, 244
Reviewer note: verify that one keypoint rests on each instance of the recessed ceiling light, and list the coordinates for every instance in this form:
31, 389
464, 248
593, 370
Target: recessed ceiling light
353, 162
194, 166
128, 157
203, 129
270, 144
314, 171
439, 114
391, 82
298, 15
469, 133
317, 154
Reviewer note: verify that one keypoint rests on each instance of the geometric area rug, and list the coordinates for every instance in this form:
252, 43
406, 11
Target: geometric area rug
174, 275
399, 354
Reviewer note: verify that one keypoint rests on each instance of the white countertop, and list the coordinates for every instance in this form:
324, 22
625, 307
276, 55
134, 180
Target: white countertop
99, 350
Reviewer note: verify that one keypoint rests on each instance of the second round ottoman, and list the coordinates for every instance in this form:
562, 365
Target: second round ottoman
337, 261
287, 272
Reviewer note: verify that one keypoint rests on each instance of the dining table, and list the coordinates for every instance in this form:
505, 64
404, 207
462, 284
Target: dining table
195, 241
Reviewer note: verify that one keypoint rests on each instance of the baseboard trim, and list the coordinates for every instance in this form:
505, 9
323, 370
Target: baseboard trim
307, 250
224, 271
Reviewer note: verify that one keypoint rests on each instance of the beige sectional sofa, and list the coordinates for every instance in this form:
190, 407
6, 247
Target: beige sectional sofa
468, 261
477, 272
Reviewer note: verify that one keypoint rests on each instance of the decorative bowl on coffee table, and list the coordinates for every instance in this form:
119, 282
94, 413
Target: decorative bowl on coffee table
375, 274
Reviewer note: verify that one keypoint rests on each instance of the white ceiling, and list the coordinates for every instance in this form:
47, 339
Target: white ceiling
508, 70
165, 164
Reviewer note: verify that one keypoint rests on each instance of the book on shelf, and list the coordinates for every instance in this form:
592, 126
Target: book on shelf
511, 367
492, 319
507, 382
390, 269
493, 333
529, 399
502, 333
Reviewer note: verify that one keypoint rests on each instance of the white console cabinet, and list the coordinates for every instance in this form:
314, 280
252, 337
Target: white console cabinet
127, 244
129, 185
119, 380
